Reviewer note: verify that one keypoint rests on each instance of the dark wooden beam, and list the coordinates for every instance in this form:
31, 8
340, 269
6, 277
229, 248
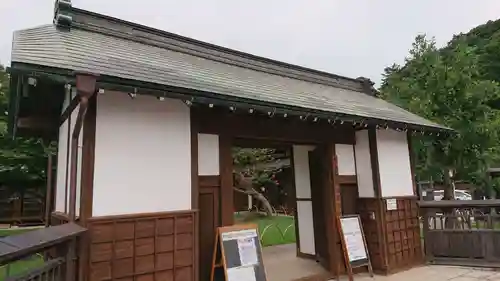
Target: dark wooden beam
344, 179
87, 181
226, 179
69, 109
380, 212
88, 158
372, 143
49, 192
195, 192
86, 87
277, 129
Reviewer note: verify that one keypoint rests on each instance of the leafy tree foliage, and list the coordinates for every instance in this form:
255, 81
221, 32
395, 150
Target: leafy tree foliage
255, 171
449, 87
22, 161
485, 39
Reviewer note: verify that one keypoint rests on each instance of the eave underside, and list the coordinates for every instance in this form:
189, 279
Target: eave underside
48, 111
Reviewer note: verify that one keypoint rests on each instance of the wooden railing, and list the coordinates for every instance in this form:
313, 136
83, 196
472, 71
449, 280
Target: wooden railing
463, 233
51, 270
44, 254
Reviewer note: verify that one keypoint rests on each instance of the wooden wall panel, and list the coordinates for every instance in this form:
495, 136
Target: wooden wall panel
158, 246
395, 232
209, 220
367, 207
403, 235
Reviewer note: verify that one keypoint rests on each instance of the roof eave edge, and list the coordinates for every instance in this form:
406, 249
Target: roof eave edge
115, 83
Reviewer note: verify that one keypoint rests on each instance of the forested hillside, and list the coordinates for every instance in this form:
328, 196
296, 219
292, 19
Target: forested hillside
457, 86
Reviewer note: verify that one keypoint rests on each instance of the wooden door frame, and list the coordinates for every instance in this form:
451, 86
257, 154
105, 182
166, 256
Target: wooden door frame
228, 139
318, 197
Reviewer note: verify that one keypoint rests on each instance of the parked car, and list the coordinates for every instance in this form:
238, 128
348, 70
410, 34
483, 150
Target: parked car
459, 195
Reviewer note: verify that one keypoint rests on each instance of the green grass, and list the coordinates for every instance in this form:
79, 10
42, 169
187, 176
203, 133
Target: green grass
21, 266
13, 231
275, 230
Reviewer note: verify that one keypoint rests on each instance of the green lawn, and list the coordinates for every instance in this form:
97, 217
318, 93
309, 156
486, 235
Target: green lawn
13, 231
21, 266
273, 230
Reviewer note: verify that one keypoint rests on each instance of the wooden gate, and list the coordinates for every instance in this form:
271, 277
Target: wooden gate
465, 233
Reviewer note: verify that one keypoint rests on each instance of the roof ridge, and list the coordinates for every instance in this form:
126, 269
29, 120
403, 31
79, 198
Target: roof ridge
111, 26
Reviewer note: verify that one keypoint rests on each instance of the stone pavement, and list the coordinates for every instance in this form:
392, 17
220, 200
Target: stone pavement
436, 273
282, 264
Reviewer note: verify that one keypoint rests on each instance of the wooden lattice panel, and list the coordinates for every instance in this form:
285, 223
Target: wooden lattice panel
404, 245
367, 207
143, 247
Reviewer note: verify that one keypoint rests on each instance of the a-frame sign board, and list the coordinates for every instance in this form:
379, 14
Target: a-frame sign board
353, 243
237, 254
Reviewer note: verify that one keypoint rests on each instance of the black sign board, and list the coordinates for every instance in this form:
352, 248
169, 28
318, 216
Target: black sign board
238, 254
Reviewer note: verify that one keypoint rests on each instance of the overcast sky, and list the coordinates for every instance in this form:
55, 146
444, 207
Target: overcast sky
349, 37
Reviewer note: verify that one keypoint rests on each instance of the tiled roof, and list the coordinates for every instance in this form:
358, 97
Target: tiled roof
150, 60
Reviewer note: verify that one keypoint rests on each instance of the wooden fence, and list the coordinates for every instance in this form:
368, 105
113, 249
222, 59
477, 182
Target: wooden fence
48, 254
22, 206
465, 233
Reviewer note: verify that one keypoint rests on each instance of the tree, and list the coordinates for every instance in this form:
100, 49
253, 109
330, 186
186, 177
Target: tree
447, 86
251, 171
485, 39
21, 160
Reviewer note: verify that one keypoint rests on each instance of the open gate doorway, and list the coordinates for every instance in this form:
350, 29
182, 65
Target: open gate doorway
319, 202
309, 213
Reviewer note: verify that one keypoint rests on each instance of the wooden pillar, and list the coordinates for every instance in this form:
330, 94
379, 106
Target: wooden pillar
49, 194
333, 202
88, 158
87, 184
195, 189
380, 203
86, 87
226, 180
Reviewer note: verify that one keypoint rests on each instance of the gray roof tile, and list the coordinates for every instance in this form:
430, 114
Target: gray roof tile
83, 50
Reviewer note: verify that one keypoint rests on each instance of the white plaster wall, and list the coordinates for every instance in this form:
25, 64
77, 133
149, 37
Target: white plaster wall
306, 227
345, 159
62, 148
301, 170
363, 165
303, 191
394, 163
208, 155
142, 155
74, 115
